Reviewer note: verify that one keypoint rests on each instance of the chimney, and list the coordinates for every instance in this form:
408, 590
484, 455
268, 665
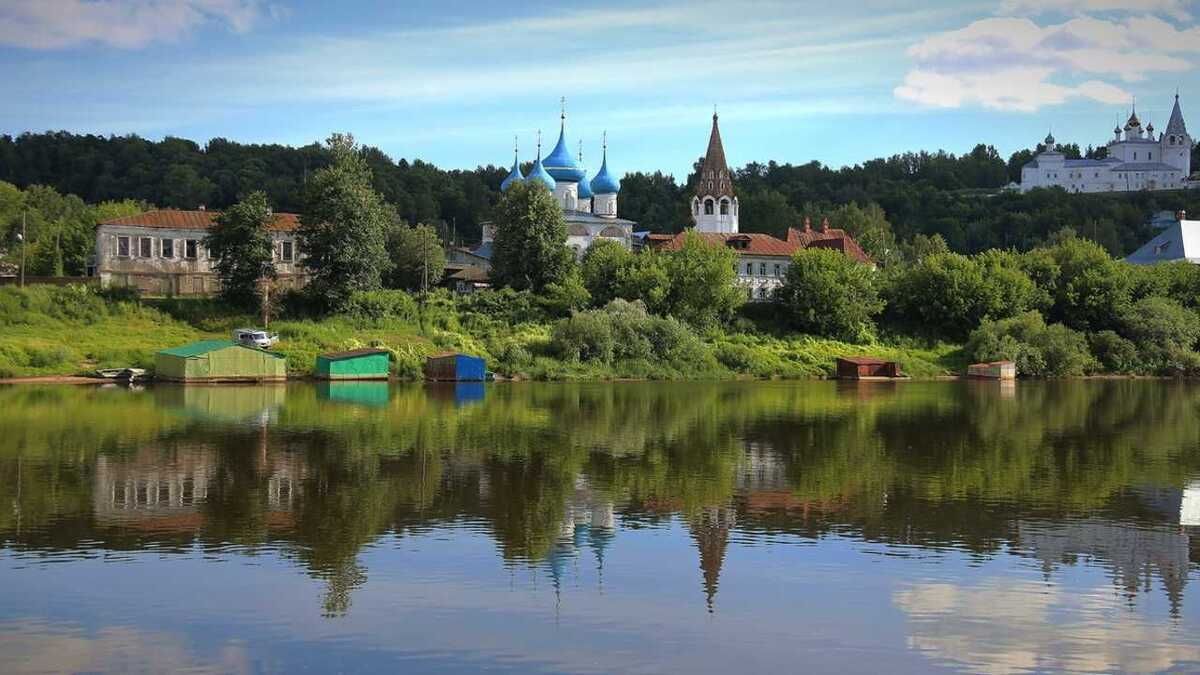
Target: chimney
825, 224
807, 224
200, 208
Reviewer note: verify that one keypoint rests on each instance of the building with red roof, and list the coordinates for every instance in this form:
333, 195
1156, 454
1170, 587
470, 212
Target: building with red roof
162, 252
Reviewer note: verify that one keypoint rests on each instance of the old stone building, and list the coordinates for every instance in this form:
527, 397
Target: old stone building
162, 252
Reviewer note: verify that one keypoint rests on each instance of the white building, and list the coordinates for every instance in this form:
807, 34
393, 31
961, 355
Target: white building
715, 206
1137, 160
162, 252
1178, 241
589, 206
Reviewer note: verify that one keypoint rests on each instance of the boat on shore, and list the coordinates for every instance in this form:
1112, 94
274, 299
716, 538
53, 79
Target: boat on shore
122, 374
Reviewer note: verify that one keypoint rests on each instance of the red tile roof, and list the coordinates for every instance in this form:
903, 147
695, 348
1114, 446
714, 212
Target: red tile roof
759, 244
193, 220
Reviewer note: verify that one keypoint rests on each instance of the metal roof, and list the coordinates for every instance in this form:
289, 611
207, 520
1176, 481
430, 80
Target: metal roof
1180, 241
1144, 166
353, 353
198, 348
194, 220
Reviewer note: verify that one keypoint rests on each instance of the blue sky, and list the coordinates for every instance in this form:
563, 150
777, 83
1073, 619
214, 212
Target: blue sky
452, 82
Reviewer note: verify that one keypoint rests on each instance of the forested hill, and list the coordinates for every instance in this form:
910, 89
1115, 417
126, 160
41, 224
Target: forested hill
957, 197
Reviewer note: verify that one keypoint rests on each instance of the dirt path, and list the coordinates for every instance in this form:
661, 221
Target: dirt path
54, 379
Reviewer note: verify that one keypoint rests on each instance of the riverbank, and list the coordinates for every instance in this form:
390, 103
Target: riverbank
73, 331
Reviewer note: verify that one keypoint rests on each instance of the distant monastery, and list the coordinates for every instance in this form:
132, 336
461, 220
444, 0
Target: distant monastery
1137, 160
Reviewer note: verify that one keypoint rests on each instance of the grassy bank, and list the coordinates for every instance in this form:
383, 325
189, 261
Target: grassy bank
66, 331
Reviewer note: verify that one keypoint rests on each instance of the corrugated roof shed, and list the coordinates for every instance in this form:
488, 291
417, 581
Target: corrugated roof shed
349, 354
198, 348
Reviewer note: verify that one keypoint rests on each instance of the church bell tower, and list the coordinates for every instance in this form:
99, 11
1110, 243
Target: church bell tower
715, 206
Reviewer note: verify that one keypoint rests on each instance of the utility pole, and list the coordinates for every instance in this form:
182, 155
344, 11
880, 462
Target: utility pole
23, 245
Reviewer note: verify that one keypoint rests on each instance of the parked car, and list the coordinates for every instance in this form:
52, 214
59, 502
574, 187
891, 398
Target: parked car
252, 337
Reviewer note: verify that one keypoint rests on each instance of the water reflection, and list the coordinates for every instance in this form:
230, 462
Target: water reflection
978, 512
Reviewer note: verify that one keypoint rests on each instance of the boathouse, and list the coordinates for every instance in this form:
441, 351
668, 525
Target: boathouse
455, 367
356, 364
219, 361
866, 367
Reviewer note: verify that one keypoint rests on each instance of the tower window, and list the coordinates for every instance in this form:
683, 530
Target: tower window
724, 207
708, 207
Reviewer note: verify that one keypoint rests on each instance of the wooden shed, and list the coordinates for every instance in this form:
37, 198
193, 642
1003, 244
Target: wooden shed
864, 367
356, 364
996, 370
455, 367
219, 361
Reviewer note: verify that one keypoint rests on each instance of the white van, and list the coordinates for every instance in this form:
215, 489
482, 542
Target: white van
252, 337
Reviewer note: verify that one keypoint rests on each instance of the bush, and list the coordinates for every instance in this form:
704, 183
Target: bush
642, 345
1164, 331
380, 305
1039, 350
1092, 289
827, 293
1115, 353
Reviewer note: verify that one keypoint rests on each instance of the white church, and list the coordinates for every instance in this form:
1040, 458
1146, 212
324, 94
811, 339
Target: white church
589, 206
1137, 160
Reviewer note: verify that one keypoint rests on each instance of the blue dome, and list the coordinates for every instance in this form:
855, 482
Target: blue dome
604, 183
514, 176
538, 173
585, 189
560, 164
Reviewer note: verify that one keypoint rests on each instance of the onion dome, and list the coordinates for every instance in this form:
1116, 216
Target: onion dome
514, 176
1134, 122
585, 186
538, 172
1150, 128
560, 164
1117, 129
605, 183
1049, 139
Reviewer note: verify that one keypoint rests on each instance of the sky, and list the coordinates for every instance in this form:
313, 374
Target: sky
453, 82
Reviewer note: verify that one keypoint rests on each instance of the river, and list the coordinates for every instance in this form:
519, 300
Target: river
599, 528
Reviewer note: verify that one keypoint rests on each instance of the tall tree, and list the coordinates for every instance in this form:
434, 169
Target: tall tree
240, 242
418, 259
702, 290
531, 239
343, 229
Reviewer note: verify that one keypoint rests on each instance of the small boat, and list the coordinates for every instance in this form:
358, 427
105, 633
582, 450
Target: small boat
122, 374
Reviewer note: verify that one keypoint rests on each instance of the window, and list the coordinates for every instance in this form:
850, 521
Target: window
777, 269
191, 249
166, 248
724, 207
286, 251
1135, 155
145, 247
708, 207
122, 247
695, 207
1149, 155
762, 269
749, 269
762, 292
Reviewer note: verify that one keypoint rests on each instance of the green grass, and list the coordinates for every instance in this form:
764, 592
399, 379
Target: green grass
73, 330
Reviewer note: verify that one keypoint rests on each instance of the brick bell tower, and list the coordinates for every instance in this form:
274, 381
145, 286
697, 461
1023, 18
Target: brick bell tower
715, 206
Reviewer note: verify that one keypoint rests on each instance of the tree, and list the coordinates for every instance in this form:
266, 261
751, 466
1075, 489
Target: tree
343, 228
1164, 332
602, 268
766, 211
702, 275
1092, 289
240, 242
530, 248
418, 259
827, 293
950, 294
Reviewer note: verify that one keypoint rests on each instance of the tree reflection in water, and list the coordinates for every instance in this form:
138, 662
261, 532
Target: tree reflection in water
1053, 471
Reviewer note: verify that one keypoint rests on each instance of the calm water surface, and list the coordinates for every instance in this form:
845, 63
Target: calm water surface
749, 527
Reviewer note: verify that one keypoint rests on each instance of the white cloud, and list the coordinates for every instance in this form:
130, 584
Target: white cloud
58, 24
1005, 625
1176, 9
1013, 63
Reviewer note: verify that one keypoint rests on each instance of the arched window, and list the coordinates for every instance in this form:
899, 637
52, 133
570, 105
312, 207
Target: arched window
696, 206
724, 207
708, 207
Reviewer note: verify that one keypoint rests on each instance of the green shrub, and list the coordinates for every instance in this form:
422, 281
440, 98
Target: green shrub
1115, 353
381, 305
1164, 332
1039, 350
